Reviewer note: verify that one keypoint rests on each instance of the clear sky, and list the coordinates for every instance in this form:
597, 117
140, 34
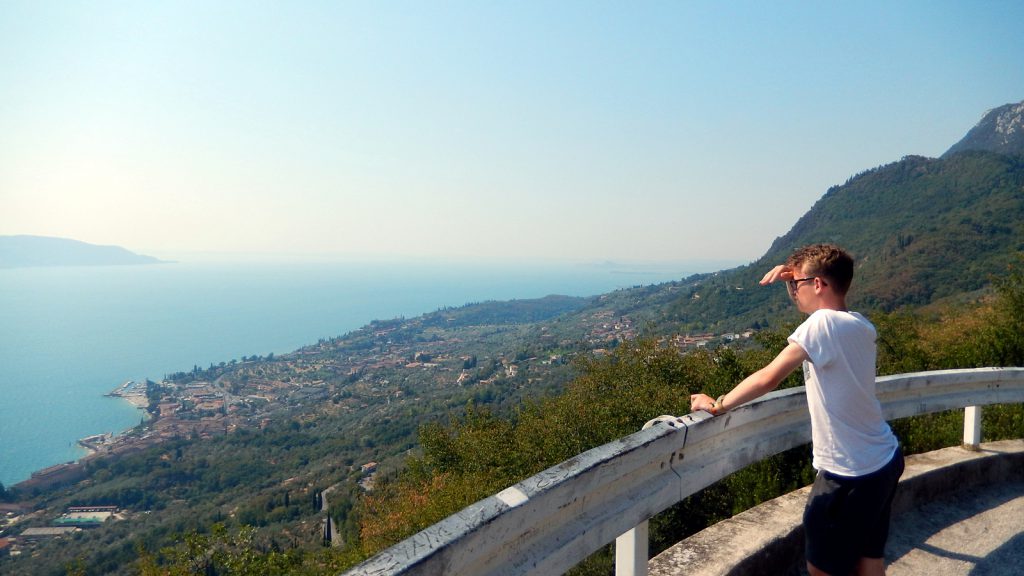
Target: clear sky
628, 131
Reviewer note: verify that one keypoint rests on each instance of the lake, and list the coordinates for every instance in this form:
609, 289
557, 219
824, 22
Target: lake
70, 335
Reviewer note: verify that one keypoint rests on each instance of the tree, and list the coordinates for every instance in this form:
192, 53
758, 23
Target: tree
1006, 336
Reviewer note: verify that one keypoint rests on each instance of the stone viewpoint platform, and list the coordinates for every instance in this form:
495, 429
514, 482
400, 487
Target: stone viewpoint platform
958, 511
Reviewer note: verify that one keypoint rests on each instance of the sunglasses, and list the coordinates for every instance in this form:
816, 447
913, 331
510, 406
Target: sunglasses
792, 285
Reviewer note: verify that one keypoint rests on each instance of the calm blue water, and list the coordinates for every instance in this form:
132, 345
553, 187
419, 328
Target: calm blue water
70, 335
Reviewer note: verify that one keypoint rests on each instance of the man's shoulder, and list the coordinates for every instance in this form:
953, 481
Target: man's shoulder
838, 315
832, 320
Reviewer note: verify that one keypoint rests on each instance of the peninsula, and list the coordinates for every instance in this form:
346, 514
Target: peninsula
25, 251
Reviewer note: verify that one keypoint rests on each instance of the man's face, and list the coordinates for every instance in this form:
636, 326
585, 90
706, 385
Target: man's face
801, 288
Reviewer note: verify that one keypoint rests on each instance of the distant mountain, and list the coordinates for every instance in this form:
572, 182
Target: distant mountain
30, 251
1001, 130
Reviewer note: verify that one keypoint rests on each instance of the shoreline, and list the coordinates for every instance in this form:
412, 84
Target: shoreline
139, 401
97, 444
133, 393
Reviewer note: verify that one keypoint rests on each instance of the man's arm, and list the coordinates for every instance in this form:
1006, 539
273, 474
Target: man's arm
757, 384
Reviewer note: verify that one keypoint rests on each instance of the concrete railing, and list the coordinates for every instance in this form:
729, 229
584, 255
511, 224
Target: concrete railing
551, 521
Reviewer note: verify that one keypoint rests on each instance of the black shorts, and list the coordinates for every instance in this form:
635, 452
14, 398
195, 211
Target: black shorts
847, 518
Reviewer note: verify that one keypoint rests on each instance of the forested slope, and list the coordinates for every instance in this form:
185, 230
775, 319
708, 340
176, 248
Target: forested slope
921, 230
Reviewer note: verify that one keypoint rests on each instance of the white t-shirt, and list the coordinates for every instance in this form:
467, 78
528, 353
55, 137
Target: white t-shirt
850, 437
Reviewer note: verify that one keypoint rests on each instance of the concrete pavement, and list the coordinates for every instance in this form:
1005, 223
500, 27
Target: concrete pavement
958, 512
976, 532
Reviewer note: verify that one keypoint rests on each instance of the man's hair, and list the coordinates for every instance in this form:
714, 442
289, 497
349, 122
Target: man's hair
827, 261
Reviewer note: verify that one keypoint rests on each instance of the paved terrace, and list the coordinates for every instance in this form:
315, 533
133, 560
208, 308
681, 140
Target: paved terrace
958, 512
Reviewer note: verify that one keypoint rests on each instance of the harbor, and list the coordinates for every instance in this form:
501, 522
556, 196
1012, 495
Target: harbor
132, 391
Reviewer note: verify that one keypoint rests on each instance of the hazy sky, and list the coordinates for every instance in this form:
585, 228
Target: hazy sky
642, 131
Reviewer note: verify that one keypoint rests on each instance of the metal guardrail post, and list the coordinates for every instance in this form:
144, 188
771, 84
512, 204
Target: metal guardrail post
631, 552
631, 549
972, 427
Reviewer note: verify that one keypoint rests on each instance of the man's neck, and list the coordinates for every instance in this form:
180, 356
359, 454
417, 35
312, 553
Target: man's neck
837, 303
828, 300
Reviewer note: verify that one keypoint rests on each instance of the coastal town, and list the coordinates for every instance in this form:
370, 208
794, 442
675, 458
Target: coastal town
341, 375
363, 374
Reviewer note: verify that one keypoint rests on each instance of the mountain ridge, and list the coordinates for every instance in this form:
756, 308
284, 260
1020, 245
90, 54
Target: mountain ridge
1000, 130
921, 229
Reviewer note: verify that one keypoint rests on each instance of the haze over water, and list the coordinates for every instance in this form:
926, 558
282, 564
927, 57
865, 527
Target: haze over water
70, 335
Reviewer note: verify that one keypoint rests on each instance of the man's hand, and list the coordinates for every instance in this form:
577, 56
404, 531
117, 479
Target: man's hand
780, 272
702, 402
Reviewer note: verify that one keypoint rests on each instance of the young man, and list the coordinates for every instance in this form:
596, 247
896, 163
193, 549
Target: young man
846, 520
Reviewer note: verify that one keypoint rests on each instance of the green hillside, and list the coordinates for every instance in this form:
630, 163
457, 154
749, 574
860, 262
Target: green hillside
921, 229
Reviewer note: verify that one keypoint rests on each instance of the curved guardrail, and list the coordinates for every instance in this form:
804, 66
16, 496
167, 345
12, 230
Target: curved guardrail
551, 521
